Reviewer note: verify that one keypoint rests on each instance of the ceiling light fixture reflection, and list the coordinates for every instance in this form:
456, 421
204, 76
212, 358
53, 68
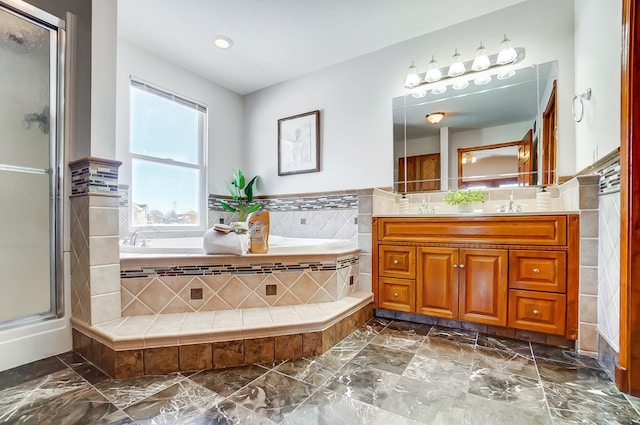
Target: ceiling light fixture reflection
223, 42
439, 90
435, 117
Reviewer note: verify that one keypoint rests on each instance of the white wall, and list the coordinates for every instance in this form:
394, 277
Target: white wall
598, 54
598, 50
354, 98
224, 117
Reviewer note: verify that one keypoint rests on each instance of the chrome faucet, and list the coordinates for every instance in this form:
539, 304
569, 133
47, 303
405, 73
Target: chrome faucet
133, 239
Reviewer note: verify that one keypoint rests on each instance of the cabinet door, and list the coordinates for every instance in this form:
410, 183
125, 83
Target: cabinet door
483, 286
437, 282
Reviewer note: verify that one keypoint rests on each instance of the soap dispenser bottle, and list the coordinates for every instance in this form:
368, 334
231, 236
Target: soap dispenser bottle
543, 200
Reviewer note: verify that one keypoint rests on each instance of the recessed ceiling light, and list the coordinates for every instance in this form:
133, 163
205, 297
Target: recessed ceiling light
223, 42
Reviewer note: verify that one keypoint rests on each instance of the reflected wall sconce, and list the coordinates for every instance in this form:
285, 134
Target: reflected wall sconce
458, 69
435, 117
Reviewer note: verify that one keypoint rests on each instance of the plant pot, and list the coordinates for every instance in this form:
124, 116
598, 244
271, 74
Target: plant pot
465, 208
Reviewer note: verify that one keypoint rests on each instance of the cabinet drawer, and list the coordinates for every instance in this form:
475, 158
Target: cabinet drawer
397, 294
537, 311
538, 270
397, 261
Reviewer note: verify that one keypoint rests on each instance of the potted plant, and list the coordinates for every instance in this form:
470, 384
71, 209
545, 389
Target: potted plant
464, 198
241, 195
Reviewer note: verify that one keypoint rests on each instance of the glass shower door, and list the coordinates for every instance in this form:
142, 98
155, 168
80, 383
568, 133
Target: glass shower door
29, 212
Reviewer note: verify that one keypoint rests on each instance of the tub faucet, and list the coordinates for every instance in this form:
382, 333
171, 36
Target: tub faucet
133, 239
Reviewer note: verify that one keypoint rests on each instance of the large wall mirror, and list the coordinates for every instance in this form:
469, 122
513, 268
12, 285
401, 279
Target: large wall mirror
500, 134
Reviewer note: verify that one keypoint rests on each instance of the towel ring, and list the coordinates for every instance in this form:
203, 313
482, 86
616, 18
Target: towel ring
578, 113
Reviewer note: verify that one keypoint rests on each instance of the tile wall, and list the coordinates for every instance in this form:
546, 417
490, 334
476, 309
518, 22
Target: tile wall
95, 264
155, 288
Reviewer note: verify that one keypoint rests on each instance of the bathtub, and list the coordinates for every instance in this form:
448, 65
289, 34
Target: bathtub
278, 245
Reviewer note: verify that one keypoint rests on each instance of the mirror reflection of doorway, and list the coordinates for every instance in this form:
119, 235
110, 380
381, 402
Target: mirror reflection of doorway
548, 152
423, 173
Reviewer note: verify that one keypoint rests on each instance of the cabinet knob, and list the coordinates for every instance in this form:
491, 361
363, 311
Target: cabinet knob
395, 261
462, 266
536, 270
395, 294
455, 266
536, 312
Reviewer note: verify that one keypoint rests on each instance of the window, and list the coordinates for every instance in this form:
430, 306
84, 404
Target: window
167, 149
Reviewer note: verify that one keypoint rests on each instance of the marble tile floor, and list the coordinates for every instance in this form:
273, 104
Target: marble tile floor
387, 372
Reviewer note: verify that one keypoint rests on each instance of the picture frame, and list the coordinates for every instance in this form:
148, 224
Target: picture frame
299, 144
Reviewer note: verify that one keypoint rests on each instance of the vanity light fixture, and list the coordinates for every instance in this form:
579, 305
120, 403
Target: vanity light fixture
223, 42
457, 66
434, 78
435, 117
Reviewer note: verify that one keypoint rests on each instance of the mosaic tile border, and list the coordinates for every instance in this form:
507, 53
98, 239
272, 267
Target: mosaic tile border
302, 203
94, 175
610, 178
258, 268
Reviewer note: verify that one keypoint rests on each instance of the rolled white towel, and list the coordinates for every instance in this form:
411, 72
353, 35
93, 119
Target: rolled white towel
216, 242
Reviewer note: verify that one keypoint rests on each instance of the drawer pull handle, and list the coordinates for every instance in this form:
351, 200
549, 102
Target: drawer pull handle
536, 270
455, 266
395, 294
462, 266
536, 312
395, 261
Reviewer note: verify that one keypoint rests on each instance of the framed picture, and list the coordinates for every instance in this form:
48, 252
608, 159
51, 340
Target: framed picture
299, 144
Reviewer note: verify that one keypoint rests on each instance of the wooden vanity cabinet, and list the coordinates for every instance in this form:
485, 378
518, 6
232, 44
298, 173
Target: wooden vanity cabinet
512, 271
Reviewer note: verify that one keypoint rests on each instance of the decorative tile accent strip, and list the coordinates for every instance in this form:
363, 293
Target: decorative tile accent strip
610, 178
94, 175
305, 203
219, 269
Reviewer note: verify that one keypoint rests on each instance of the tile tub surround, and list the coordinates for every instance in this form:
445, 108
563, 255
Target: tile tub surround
189, 283
386, 372
162, 343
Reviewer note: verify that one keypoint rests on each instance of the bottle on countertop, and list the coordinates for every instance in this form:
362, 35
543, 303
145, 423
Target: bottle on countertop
258, 223
543, 200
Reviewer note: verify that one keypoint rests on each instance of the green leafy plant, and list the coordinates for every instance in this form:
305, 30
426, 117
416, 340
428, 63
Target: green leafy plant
462, 197
242, 196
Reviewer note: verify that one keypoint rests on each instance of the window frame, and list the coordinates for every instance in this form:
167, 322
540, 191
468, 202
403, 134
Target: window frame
201, 165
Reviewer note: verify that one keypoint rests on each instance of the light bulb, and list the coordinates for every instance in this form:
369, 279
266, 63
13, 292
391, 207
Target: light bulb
412, 79
433, 72
457, 66
506, 75
507, 54
460, 85
481, 81
439, 90
481, 62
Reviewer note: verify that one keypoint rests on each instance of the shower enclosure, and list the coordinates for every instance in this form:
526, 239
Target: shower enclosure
31, 64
